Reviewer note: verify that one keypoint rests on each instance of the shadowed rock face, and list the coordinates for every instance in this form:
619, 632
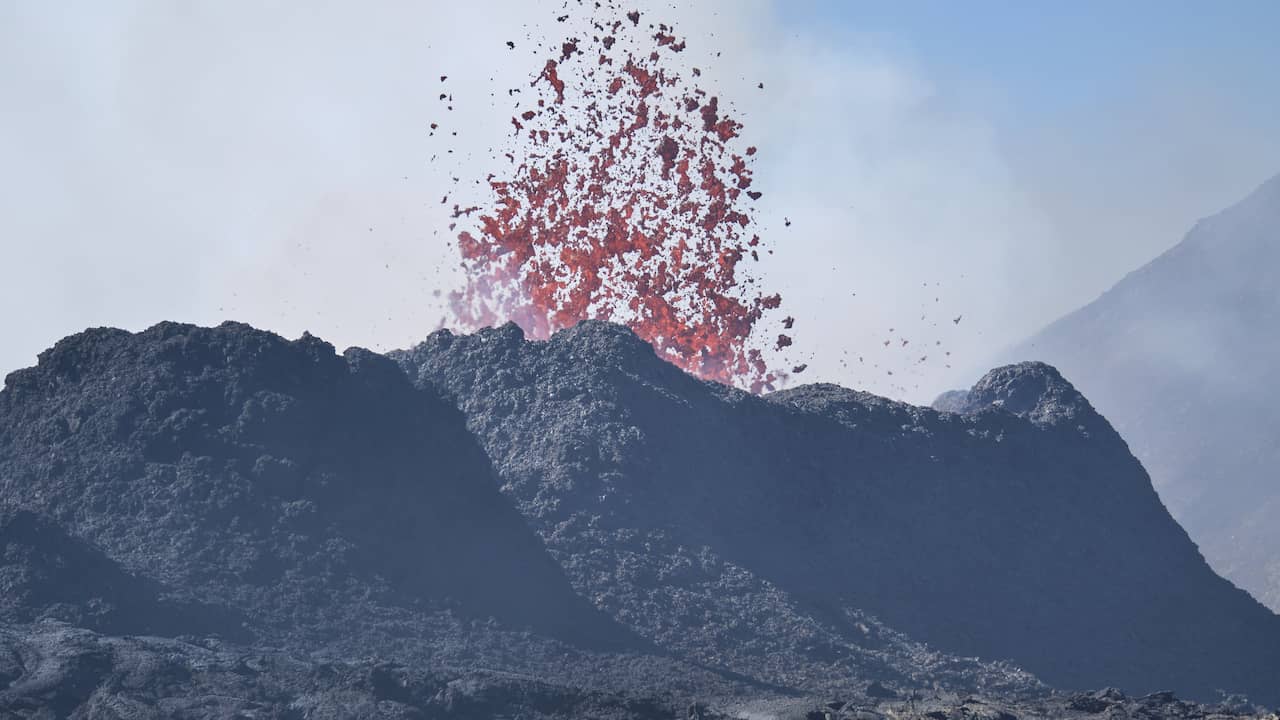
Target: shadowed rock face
767, 535
46, 574
318, 496
1181, 356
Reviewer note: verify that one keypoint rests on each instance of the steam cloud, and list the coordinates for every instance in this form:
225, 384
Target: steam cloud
269, 164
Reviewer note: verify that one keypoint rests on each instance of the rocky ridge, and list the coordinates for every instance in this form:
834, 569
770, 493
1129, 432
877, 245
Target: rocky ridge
800, 538
1180, 355
225, 483
212, 522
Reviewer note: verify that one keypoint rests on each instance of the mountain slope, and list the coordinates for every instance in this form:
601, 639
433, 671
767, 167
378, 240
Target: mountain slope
46, 574
772, 536
296, 490
1180, 355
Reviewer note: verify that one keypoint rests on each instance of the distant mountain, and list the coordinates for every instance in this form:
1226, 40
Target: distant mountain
772, 536
1181, 356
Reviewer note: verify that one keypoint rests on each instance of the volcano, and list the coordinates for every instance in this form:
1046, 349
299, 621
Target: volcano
760, 534
627, 197
210, 521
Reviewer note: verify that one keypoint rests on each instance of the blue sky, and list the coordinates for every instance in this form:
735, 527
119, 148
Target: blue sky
1059, 60
1097, 132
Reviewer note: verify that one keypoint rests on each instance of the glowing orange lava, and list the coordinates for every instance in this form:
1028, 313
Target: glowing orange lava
626, 201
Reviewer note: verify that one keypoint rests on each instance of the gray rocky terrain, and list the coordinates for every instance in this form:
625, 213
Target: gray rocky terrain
1180, 355
217, 522
782, 537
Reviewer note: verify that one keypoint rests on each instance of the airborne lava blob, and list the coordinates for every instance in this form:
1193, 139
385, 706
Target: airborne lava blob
626, 200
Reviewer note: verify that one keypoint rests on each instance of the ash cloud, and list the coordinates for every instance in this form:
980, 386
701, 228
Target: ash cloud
217, 161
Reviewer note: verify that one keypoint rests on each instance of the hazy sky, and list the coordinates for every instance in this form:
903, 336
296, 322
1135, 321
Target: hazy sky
269, 161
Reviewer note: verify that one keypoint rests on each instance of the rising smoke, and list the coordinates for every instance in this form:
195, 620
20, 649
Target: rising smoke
215, 161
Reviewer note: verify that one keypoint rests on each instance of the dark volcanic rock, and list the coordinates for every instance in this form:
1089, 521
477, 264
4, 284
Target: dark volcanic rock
1180, 355
1110, 704
220, 523
58, 671
1031, 390
195, 482
670, 502
46, 574
771, 536
319, 497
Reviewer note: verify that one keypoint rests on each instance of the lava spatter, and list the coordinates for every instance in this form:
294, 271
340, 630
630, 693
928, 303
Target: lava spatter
626, 199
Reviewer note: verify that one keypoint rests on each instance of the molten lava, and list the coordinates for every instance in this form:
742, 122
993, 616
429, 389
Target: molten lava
626, 200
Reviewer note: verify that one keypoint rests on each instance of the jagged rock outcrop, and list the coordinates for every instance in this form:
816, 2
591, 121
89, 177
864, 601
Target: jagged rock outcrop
1030, 390
783, 537
1180, 355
